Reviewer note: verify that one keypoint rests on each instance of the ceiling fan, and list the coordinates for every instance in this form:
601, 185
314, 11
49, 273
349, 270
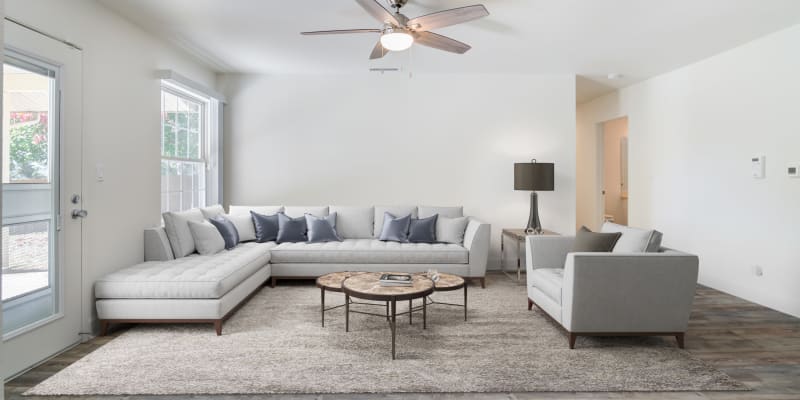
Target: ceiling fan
399, 32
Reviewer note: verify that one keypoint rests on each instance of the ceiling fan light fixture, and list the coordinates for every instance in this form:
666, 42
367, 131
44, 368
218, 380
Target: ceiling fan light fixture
396, 40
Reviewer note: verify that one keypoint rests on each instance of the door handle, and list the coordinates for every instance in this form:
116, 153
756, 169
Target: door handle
79, 213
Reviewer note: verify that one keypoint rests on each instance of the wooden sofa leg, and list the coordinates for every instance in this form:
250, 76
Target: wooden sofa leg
483, 283
679, 337
530, 304
274, 281
572, 338
218, 327
103, 327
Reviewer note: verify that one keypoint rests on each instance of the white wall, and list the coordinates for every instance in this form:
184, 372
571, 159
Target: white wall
692, 133
121, 125
431, 139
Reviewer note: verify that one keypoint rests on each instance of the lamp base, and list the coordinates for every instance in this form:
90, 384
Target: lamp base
534, 226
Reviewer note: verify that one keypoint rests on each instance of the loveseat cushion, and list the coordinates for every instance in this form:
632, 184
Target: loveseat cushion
369, 251
634, 240
192, 277
549, 281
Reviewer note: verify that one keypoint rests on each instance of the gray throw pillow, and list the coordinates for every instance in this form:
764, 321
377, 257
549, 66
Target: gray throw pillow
227, 229
207, 239
395, 229
423, 230
291, 229
322, 229
451, 230
596, 242
266, 227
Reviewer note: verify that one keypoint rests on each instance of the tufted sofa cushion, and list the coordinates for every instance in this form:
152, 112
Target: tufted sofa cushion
192, 277
370, 251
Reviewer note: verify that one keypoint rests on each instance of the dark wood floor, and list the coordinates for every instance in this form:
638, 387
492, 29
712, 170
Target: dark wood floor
753, 344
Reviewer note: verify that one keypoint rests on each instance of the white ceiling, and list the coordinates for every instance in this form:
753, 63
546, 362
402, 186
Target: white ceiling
590, 38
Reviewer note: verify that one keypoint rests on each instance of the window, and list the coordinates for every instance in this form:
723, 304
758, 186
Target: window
184, 149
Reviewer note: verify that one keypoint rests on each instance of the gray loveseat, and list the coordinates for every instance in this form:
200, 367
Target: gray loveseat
628, 292
174, 287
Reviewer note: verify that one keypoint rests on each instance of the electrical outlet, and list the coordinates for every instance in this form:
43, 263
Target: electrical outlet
758, 270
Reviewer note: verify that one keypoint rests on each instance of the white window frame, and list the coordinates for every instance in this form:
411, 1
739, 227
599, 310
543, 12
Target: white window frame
209, 134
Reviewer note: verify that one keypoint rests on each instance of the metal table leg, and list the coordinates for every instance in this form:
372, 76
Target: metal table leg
347, 313
322, 295
465, 301
393, 324
410, 312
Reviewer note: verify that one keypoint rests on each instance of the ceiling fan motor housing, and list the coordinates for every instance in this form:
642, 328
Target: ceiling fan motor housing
396, 4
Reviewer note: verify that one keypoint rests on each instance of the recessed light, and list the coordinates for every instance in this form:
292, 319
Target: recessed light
615, 76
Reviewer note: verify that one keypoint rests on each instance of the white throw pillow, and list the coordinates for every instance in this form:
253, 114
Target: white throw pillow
354, 222
265, 210
207, 238
451, 230
633, 240
213, 211
176, 225
243, 224
299, 211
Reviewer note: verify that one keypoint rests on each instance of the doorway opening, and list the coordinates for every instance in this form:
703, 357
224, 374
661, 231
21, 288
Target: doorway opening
613, 162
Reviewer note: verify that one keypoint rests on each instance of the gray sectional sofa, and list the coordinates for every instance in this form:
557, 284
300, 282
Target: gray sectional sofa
172, 286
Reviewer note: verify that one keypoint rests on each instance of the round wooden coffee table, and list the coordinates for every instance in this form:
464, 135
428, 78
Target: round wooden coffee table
449, 282
333, 283
367, 286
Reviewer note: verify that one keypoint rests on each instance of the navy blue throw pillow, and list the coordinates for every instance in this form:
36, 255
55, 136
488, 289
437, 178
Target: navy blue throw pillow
395, 229
228, 231
291, 229
423, 230
322, 229
266, 227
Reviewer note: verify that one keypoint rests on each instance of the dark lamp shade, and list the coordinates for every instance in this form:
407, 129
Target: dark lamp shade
533, 176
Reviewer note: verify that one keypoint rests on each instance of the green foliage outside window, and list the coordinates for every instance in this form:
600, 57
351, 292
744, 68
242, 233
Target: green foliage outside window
28, 152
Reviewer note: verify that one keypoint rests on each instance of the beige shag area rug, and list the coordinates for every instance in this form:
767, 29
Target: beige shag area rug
275, 344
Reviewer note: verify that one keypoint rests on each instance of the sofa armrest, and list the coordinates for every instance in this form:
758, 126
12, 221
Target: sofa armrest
641, 292
476, 240
545, 251
156, 245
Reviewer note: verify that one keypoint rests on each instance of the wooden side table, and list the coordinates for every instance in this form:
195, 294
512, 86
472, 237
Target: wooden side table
518, 236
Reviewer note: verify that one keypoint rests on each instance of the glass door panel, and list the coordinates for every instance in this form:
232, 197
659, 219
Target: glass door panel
29, 274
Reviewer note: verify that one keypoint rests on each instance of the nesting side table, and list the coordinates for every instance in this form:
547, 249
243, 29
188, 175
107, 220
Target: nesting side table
517, 242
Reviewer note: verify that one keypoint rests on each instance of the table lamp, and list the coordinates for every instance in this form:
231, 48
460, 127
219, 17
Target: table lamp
533, 176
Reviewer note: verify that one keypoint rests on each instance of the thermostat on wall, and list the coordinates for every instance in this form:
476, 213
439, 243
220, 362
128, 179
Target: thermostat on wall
793, 170
757, 166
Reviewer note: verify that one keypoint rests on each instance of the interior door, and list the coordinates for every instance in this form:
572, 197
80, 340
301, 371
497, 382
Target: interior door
42, 141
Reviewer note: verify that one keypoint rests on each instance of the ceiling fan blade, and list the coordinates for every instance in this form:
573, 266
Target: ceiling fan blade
378, 51
341, 31
440, 42
378, 11
447, 17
